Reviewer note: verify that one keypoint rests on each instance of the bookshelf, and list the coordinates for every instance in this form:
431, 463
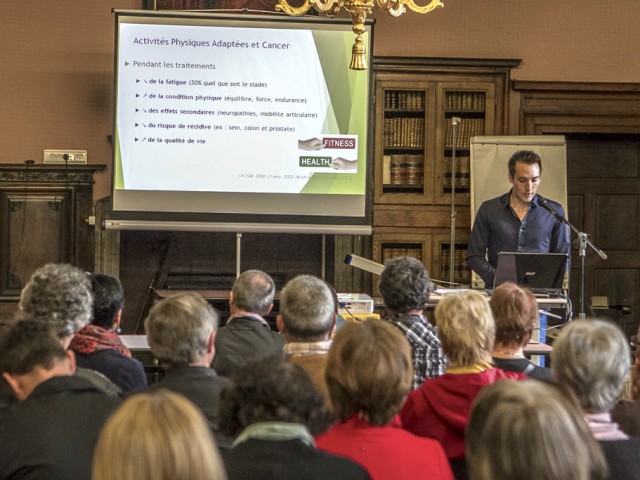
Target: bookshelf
416, 99
469, 103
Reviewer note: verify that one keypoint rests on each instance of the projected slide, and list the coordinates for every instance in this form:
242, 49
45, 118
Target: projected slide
244, 110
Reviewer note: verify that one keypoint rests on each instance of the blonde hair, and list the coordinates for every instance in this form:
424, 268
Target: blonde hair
530, 430
159, 436
369, 371
466, 328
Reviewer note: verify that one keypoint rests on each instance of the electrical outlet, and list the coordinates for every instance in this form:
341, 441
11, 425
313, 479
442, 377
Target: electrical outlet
73, 157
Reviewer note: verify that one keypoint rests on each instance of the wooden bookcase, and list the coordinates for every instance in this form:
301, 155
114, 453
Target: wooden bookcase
416, 100
44, 217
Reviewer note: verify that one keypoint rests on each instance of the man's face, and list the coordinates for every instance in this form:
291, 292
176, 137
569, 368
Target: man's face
525, 181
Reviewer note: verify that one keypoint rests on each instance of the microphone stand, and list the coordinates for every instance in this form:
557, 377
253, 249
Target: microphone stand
452, 241
584, 241
582, 249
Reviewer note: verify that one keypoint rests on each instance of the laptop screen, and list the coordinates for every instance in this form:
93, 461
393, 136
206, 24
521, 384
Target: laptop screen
540, 272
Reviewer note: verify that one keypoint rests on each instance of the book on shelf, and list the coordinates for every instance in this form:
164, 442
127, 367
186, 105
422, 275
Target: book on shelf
464, 174
470, 101
403, 132
403, 100
467, 128
394, 252
406, 169
461, 272
386, 169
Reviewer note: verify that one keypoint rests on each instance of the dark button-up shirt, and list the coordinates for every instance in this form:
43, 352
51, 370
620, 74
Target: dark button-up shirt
498, 229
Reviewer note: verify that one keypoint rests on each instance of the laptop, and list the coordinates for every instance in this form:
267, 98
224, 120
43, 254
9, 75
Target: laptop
542, 273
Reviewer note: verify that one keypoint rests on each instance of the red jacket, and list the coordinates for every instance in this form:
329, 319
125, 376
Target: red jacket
440, 407
389, 452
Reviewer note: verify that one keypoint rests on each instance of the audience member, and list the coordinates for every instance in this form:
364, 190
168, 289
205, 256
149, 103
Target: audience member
626, 412
515, 311
59, 295
369, 373
440, 408
51, 432
181, 332
530, 430
274, 408
405, 286
247, 334
307, 318
591, 359
98, 346
157, 436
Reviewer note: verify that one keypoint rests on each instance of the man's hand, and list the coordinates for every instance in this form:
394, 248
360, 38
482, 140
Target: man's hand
340, 163
310, 144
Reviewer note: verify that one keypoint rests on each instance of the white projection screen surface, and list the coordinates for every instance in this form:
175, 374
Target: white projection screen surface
240, 123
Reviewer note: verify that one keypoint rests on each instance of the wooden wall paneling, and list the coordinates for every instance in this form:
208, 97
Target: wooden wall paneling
44, 217
206, 261
617, 222
622, 287
601, 122
27, 220
346, 278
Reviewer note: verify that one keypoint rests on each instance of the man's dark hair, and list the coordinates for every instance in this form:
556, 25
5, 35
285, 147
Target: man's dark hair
404, 284
108, 299
524, 156
253, 291
272, 389
28, 344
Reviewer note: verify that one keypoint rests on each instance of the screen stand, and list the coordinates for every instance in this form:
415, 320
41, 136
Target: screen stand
452, 241
238, 253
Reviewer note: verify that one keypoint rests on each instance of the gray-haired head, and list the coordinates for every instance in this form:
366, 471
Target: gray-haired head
179, 329
404, 284
592, 358
253, 291
60, 295
307, 308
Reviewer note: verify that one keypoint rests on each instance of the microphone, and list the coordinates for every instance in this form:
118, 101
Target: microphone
547, 206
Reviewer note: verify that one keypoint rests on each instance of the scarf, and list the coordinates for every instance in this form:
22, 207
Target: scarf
91, 339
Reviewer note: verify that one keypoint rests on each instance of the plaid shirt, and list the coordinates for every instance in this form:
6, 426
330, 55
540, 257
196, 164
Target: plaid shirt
307, 348
428, 359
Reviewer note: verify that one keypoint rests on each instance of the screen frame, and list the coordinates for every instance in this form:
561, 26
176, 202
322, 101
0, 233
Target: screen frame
182, 220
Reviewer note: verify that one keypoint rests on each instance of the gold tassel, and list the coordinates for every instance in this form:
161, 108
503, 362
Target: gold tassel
358, 55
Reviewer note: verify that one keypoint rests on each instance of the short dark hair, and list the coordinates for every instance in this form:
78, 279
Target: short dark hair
524, 156
272, 389
404, 284
28, 344
253, 291
108, 299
